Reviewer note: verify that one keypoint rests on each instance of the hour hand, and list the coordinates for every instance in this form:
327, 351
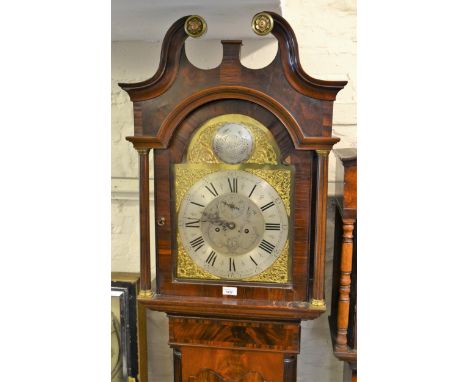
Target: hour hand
213, 219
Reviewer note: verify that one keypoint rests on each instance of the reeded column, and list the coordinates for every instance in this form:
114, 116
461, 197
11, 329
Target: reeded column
345, 285
318, 292
145, 262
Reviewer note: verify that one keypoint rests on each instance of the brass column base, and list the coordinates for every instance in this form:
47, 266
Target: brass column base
318, 304
148, 293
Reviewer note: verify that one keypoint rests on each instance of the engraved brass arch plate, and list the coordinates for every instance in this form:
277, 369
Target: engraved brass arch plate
195, 26
262, 23
201, 150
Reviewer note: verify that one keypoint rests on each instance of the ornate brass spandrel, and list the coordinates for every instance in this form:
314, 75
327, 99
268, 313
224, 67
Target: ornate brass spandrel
277, 272
278, 176
186, 176
280, 180
186, 267
200, 149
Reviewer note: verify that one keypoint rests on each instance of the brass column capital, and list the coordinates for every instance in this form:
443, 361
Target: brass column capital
142, 150
323, 153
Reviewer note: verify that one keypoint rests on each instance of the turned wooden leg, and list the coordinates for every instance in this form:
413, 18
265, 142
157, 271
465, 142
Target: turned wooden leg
345, 285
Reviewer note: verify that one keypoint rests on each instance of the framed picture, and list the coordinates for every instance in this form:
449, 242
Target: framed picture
124, 345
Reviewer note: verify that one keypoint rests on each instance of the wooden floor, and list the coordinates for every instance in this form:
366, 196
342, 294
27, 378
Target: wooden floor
316, 361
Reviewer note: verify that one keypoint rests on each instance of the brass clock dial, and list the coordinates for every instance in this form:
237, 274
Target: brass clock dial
233, 224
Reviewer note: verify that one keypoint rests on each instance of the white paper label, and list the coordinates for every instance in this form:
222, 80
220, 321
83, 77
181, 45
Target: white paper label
229, 291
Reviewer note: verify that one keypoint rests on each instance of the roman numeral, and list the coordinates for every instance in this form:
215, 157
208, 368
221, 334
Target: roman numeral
251, 192
251, 258
266, 206
272, 226
197, 243
267, 246
212, 189
232, 265
200, 205
195, 223
211, 258
233, 184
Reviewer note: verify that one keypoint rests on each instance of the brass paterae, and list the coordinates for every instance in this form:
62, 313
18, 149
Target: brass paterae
262, 23
195, 26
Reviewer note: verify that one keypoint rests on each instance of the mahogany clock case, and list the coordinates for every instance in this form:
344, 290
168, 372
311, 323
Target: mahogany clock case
296, 108
164, 160
254, 335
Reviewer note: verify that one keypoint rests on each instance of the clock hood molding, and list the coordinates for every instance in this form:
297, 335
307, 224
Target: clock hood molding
178, 87
183, 109
173, 47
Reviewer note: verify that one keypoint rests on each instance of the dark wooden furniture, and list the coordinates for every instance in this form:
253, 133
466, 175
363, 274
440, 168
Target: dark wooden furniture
343, 315
255, 335
129, 283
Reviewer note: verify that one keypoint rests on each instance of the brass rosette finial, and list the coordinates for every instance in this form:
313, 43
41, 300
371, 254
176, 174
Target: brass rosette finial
262, 23
195, 26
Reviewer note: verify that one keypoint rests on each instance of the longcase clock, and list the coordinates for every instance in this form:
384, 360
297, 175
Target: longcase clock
240, 172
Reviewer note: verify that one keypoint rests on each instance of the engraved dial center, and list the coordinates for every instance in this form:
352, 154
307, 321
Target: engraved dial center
232, 224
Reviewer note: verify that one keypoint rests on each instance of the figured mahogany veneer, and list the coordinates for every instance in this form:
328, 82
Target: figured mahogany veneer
254, 336
232, 366
234, 350
234, 334
230, 307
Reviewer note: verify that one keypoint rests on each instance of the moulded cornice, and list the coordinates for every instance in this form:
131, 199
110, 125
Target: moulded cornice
288, 50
